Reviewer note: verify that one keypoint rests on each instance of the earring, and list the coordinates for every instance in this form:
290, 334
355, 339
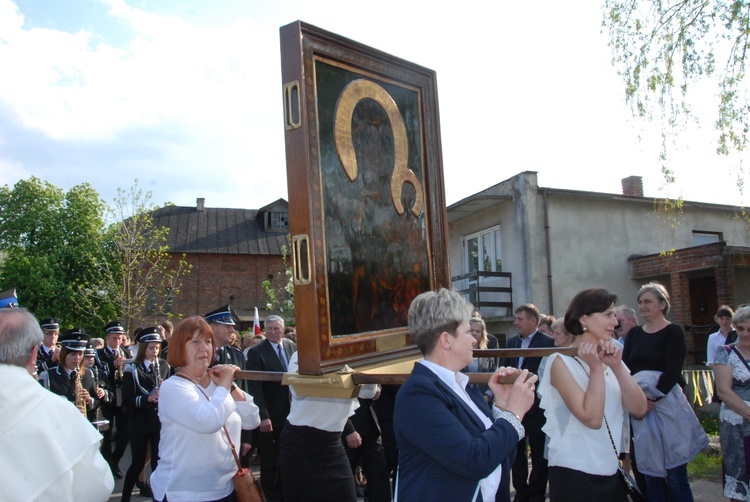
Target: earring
584, 329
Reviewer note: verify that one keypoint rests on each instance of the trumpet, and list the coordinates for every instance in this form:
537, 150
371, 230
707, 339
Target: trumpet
120, 370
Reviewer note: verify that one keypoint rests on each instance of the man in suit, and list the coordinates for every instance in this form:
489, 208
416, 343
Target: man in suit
272, 399
533, 487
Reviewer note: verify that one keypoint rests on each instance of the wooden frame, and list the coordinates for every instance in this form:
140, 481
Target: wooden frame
366, 199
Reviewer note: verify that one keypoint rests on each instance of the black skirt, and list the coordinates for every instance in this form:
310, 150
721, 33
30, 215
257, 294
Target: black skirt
568, 485
314, 466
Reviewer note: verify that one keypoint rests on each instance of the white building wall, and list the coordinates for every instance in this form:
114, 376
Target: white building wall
591, 237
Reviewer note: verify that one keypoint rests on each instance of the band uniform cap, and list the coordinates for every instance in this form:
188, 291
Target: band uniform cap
222, 315
89, 351
8, 299
50, 324
75, 339
148, 335
114, 327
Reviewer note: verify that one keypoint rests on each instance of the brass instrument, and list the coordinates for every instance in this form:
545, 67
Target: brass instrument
80, 400
119, 370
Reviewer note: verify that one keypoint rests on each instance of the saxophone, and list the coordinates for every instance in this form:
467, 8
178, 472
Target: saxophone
80, 400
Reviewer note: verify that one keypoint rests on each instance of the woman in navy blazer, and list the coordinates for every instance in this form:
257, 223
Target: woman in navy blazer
452, 446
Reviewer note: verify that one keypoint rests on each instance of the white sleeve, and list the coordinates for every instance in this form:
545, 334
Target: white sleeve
185, 405
248, 412
92, 477
711, 349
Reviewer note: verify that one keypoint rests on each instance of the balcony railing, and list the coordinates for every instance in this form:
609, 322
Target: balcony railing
490, 292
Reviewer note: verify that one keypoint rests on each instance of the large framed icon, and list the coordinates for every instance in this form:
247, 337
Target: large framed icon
366, 201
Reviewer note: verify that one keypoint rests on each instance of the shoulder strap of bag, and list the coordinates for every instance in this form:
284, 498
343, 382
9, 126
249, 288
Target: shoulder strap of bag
744, 361
231, 444
611, 439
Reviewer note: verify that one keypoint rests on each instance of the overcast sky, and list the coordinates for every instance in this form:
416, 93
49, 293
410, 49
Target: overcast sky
186, 96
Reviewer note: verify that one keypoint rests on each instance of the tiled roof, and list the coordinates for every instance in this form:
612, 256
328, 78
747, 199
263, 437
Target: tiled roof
218, 230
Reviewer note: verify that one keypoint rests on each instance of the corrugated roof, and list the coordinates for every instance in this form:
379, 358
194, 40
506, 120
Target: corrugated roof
218, 230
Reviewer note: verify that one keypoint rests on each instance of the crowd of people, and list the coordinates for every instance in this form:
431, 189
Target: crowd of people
582, 422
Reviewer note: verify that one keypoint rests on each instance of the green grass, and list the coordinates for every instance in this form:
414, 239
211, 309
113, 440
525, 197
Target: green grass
705, 467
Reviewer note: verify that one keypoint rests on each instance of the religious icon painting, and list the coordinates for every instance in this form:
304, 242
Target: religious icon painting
366, 198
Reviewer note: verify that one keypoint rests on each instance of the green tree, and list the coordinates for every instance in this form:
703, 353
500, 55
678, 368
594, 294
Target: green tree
666, 50
138, 276
280, 296
48, 239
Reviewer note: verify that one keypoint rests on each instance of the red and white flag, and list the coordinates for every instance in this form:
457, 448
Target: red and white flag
256, 323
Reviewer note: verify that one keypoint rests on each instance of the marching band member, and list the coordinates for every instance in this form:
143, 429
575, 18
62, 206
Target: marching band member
140, 396
69, 378
102, 393
111, 361
48, 352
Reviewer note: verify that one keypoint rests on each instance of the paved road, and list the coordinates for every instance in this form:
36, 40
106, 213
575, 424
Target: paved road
703, 490
125, 463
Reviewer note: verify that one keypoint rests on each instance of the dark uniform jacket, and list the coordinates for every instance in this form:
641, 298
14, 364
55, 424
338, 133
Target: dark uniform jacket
43, 360
57, 381
137, 385
101, 382
105, 360
229, 354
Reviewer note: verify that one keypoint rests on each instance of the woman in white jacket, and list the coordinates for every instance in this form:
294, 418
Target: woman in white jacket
195, 459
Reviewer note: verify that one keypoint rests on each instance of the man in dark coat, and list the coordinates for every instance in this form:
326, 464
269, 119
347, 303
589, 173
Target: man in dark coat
533, 487
273, 400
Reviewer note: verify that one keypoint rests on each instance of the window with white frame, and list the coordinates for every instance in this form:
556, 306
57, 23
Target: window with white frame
700, 238
483, 251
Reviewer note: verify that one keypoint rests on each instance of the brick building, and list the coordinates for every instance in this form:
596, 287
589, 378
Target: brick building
232, 251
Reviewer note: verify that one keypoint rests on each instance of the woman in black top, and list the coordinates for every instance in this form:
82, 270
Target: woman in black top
659, 345
140, 396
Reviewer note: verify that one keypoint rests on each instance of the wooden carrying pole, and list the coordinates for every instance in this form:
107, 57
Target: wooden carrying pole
361, 378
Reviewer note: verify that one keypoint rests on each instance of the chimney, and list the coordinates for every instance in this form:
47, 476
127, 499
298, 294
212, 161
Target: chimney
632, 186
202, 203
